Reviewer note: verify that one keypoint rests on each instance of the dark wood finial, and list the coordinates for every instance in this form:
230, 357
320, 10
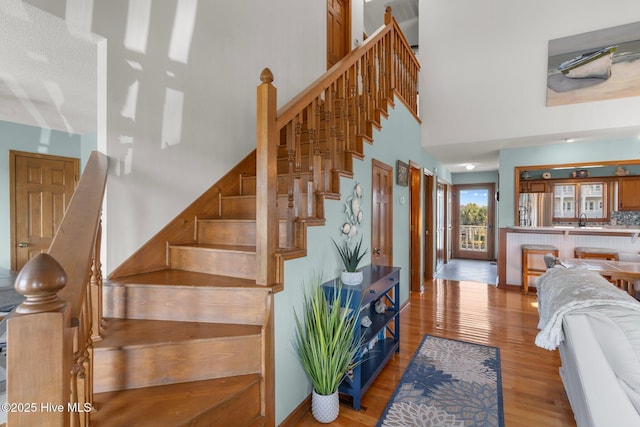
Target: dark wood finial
266, 76
39, 281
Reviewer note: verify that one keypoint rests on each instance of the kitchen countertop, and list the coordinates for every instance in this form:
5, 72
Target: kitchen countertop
596, 229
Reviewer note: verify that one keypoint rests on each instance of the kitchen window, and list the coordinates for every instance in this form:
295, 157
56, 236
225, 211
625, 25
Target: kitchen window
570, 200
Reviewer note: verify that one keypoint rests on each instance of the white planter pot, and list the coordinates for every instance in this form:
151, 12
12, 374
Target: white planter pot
352, 278
325, 409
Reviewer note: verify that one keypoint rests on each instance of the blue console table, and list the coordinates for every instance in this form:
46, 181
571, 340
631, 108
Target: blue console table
382, 337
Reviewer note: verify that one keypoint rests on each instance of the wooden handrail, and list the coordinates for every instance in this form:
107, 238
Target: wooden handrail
287, 112
50, 335
321, 130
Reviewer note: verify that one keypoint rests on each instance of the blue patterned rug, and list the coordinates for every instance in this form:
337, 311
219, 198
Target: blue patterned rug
448, 383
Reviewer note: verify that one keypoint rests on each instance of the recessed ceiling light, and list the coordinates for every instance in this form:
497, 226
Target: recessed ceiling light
470, 166
569, 139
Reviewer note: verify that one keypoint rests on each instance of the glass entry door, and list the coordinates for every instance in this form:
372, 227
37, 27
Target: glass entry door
473, 212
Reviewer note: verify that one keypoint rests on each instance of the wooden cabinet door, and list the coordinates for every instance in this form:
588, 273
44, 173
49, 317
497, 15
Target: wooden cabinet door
533, 187
629, 194
537, 187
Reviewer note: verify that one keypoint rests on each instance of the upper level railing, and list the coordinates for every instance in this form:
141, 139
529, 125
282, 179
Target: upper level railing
321, 130
50, 336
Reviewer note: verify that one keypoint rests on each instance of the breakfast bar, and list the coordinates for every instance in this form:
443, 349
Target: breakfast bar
565, 238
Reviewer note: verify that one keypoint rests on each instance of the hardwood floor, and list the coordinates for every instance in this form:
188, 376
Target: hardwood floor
533, 393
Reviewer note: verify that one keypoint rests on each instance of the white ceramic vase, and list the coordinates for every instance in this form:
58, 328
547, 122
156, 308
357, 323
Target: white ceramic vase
352, 277
325, 409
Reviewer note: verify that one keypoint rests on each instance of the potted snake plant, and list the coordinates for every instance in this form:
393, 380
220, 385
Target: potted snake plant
351, 258
325, 341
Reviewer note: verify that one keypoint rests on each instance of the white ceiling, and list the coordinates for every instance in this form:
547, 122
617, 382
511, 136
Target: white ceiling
48, 71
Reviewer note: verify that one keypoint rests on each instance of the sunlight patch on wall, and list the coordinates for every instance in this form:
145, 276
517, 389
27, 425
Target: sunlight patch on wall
79, 17
123, 166
182, 33
137, 30
45, 141
20, 93
172, 118
58, 100
131, 100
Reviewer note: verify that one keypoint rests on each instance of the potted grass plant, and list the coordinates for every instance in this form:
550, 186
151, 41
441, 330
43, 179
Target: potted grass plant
325, 342
351, 257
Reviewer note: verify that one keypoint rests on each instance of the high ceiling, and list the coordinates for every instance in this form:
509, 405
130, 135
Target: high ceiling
48, 79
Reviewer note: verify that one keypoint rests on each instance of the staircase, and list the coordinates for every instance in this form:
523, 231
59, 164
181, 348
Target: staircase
186, 332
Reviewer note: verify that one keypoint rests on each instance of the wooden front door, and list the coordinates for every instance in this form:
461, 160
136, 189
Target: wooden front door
338, 30
382, 214
472, 214
41, 187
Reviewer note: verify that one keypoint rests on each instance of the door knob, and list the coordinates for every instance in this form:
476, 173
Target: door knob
376, 251
23, 244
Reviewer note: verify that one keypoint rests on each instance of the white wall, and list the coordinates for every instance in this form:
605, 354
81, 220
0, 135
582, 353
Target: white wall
181, 96
485, 67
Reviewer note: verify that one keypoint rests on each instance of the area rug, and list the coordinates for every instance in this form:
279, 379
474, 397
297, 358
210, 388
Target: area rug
448, 383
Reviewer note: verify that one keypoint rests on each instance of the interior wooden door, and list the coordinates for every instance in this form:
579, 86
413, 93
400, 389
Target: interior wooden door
382, 214
430, 226
416, 224
441, 222
338, 30
41, 187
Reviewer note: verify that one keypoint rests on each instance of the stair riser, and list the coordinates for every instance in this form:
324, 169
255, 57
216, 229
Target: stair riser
222, 263
227, 232
242, 410
238, 207
185, 303
143, 366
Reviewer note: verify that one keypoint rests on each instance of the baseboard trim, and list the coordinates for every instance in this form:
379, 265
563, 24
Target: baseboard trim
297, 413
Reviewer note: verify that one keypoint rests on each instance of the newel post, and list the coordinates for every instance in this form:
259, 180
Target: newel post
266, 181
40, 353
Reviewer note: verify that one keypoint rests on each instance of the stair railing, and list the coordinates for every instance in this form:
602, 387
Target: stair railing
321, 130
50, 336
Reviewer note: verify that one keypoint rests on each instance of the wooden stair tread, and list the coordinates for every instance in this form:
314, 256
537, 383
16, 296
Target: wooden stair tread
168, 405
170, 277
121, 333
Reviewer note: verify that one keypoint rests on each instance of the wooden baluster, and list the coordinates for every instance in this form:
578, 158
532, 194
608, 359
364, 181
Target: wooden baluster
95, 286
297, 185
373, 97
290, 212
40, 358
267, 138
314, 161
368, 117
352, 107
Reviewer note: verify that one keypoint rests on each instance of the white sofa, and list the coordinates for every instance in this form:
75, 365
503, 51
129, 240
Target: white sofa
597, 330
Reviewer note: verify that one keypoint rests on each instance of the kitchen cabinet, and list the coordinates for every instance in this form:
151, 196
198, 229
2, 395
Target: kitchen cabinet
381, 338
629, 193
533, 186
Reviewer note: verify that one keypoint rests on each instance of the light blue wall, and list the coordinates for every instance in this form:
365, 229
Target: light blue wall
588, 151
14, 136
399, 139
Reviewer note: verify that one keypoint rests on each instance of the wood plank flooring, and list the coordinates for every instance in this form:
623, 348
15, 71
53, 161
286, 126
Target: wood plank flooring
533, 393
